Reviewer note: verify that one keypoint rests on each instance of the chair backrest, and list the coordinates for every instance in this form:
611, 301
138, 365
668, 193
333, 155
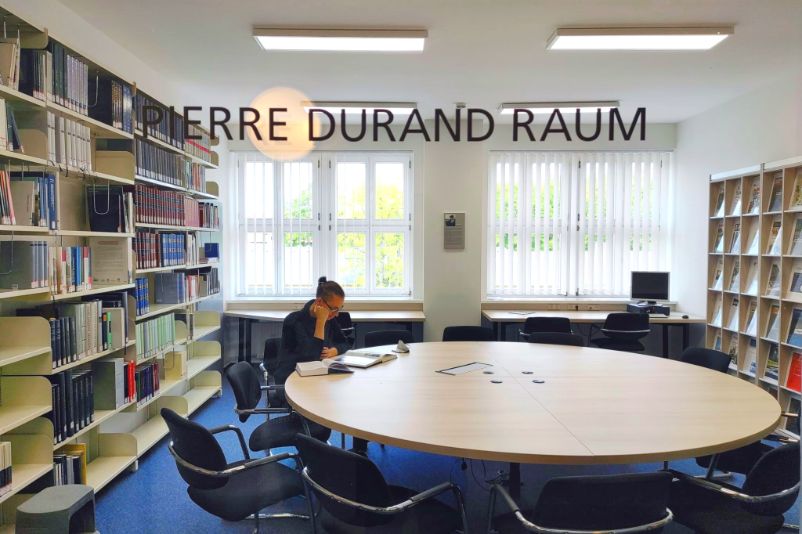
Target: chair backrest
388, 337
244, 381
557, 338
346, 475
775, 471
710, 358
197, 446
626, 326
271, 354
468, 333
547, 324
604, 502
344, 320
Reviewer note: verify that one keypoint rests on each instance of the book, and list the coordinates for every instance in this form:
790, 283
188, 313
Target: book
717, 341
735, 241
324, 367
795, 328
77, 450
794, 379
776, 202
773, 282
716, 316
24, 265
733, 317
772, 370
718, 246
751, 319
364, 358
110, 387
796, 194
753, 241
796, 242
750, 358
750, 287
736, 200
775, 242
735, 278
754, 200
795, 287
773, 325
718, 280
719, 211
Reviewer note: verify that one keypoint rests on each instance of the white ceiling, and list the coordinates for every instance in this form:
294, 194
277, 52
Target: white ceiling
481, 52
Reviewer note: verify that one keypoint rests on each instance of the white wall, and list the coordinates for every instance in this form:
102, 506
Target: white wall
758, 127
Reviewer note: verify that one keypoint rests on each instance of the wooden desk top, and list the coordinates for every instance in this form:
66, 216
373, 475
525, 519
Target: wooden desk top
407, 316
515, 316
595, 407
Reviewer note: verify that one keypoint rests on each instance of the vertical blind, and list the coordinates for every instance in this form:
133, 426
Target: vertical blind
575, 223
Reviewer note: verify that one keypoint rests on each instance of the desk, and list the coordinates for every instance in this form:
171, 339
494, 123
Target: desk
596, 406
411, 319
501, 318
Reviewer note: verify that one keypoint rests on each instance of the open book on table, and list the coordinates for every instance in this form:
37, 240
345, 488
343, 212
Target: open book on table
324, 367
365, 357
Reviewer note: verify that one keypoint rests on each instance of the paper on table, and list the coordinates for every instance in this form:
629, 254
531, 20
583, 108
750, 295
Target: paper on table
467, 368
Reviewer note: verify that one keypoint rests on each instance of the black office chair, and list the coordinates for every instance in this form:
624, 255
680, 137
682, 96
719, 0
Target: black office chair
556, 338
770, 489
355, 498
586, 504
622, 331
229, 490
347, 326
544, 324
270, 358
388, 337
468, 333
709, 358
276, 432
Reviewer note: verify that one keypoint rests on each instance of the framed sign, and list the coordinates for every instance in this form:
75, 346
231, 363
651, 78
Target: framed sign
454, 230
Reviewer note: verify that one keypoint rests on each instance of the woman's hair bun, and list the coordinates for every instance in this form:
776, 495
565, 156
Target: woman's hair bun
321, 280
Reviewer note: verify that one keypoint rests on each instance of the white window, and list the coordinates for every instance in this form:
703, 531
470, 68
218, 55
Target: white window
344, 215
575, 223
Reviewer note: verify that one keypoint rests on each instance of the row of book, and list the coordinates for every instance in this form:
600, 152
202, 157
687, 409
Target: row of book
157, 163
774, 247
772, 329
73, 403
154, 336
141, 296
110, 208
114, 103
69, 468
36, 72
147, 382
10, 138
199, 148
771, 371
24, 265
196, 177
70, 86
69, 143
155, 249
157, 206
169, 129
775, 203
177, 288
209, 215
6, 469
28, 198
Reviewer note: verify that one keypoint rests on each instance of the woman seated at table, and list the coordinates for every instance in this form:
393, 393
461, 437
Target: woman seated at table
312, 333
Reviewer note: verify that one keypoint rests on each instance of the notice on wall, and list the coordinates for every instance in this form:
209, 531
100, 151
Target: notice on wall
454, 231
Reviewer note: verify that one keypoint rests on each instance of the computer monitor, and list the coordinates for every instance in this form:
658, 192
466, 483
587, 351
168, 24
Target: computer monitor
649, 285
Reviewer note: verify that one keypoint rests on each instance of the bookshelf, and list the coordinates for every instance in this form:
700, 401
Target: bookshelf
757, 318
104, 155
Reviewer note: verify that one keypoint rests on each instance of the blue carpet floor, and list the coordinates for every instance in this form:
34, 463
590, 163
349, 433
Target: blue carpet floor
154, 499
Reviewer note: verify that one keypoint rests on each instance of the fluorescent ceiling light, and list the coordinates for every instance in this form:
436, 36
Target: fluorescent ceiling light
623, 38
340, 40
546, 108
352, 108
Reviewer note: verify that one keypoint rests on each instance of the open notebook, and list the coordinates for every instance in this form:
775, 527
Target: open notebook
325, 367
365, 357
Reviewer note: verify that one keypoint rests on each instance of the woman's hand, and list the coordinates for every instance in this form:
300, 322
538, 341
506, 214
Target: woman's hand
321, 313
328, 353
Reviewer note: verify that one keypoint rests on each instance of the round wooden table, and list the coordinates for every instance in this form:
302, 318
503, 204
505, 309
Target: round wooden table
594, 407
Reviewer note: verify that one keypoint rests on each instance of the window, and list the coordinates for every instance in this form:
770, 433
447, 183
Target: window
575, 223
344, 215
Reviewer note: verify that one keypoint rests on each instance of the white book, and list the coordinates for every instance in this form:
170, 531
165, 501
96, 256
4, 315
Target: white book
364, 358
319, 367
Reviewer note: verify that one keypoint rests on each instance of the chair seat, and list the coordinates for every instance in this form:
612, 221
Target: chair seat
430, 517
252, 489
618, 344
706, 511
280, 432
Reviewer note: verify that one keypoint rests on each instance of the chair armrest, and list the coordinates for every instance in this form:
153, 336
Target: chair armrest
232, 470
522, 334
253, 411
608, 330
731, 493
532, 527
240, 436
272, 387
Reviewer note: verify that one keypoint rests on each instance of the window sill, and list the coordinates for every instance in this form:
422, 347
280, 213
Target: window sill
351, 304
